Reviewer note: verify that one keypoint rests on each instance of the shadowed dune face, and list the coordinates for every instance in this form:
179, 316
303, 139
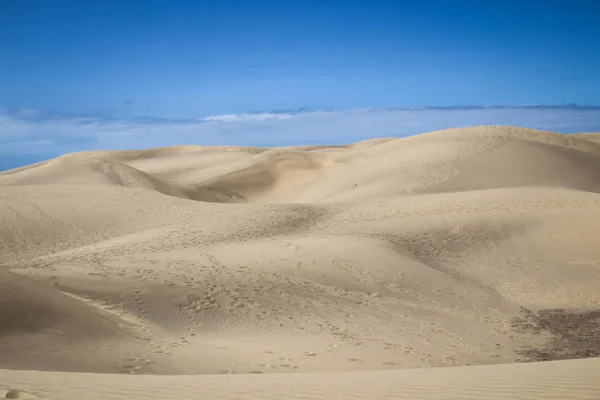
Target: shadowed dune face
30, 307
385, 254
45, 329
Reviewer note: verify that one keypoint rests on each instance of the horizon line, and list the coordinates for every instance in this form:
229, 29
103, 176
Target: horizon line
104, 113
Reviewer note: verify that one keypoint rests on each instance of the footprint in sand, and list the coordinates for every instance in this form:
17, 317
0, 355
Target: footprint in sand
129, 368
288, 366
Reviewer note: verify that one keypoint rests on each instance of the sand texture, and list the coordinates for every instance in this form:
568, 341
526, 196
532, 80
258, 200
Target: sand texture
457, 264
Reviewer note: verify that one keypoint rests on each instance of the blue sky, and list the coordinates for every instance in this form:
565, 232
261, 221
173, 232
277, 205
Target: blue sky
185, 60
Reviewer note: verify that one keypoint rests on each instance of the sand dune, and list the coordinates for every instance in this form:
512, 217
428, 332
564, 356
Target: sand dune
334, 271
43, 328
526, 163
83, 170
590, 136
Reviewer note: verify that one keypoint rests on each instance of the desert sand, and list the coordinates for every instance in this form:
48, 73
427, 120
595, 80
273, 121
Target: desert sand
457, 264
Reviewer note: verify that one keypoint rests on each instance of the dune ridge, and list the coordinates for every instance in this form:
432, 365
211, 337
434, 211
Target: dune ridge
342, 272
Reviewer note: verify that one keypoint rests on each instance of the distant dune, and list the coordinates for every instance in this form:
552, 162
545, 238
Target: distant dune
458, 264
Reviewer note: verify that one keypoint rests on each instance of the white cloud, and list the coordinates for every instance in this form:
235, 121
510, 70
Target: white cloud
247, 117
31, 132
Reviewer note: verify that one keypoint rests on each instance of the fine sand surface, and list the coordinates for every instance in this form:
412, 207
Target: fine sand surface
458, 264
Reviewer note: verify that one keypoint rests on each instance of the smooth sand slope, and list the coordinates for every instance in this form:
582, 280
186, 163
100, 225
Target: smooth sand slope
315, 272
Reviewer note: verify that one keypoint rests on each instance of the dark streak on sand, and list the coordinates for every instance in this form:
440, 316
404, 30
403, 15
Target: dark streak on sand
574, 334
